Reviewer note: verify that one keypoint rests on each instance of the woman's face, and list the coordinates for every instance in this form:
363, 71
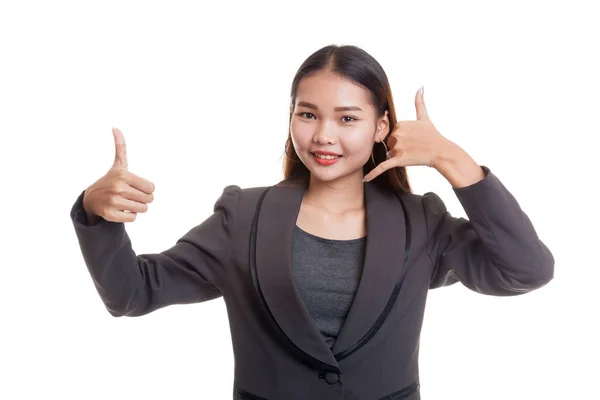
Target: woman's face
333, 114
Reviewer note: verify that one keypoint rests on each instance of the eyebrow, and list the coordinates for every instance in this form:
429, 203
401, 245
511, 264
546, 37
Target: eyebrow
314, 107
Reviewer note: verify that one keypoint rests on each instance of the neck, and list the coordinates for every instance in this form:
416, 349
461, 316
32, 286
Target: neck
338, 197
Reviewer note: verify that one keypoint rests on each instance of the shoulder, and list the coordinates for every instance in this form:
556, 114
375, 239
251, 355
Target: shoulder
243, 192
428, 208
432, 204
252, 194
427, 203
236, 197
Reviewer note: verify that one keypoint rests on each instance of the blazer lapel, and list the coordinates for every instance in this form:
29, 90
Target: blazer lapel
380, 281
383, 270
274, 234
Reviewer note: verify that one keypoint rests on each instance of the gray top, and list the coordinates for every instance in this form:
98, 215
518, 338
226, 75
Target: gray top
326, 273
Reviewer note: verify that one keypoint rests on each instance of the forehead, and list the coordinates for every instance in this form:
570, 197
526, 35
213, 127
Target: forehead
328, 90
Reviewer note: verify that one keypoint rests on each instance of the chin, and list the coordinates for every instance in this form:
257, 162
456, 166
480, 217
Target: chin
324, 177
331, 175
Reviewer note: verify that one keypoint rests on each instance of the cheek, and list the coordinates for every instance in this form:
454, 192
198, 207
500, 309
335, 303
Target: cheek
359, 145
301, 134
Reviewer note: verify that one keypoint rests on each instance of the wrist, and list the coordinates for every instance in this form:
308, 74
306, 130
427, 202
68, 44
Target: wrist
91, 217
457, 166
447, 156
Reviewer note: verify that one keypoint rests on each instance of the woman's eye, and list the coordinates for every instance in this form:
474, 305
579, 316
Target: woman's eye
304, 113
309, 115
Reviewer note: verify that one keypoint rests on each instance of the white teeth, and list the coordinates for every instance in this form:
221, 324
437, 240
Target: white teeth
327, 157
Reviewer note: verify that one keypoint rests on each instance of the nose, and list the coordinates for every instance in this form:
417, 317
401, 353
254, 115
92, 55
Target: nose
323, 135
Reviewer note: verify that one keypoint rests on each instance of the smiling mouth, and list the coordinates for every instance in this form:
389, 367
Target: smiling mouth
326, 156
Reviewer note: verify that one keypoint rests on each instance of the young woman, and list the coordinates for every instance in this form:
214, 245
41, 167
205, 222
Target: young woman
325, 274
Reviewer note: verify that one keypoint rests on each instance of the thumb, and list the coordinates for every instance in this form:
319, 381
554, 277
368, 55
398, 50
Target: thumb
420, 105
120, 149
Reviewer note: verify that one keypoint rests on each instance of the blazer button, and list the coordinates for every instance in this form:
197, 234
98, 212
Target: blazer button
331, 378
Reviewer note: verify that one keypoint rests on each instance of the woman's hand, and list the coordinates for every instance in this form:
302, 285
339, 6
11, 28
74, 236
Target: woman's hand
119, 195
413, 143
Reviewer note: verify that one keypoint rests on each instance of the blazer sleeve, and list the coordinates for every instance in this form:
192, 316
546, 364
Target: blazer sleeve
188, 272
495, 252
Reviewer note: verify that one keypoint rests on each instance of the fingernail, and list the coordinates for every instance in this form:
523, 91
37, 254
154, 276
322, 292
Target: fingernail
422, 90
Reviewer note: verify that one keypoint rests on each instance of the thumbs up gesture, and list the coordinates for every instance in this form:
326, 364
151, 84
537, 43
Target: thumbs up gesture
412, 142
119, 195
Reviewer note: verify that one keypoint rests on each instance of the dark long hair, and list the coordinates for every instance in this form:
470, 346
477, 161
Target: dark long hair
360, 67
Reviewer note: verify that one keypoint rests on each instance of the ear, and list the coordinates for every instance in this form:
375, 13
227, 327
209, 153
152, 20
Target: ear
383, 127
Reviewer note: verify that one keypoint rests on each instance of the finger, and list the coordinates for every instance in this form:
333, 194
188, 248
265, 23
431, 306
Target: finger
120, 149
134, 194
121, 216
124, 204
420, 105
380, 169
138, 182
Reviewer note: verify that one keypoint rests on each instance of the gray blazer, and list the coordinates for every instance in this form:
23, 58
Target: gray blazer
243, 252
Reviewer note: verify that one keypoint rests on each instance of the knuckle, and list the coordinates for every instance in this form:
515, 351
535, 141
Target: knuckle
121, 174
121, 187
106, 213
124, 188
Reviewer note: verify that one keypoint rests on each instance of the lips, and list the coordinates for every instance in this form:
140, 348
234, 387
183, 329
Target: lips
326, 153
325, 161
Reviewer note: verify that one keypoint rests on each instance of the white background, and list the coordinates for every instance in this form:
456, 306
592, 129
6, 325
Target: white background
201, 93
